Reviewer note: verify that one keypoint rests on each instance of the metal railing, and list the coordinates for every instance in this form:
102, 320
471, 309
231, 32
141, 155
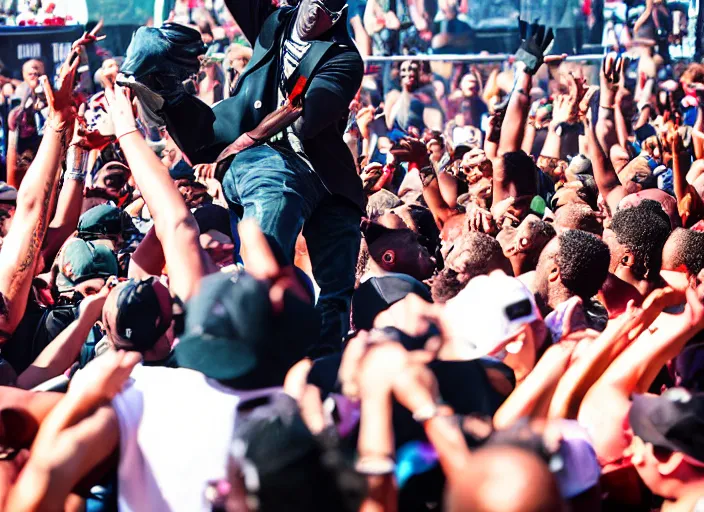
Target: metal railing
473, 58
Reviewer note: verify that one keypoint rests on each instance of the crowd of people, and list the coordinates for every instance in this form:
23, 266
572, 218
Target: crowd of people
287, 280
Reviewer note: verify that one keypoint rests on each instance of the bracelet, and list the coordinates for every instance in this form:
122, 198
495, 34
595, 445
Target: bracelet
118, 137
76, 160
76, 176
606, 108
375, 465
59, 131
425, 413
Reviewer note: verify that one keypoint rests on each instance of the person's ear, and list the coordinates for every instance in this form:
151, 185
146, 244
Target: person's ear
388, 259
669, 466
627, 259
554, 273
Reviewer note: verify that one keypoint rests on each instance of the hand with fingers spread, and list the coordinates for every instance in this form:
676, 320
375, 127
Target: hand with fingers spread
536, 40
612, 68
61, 102
90, 37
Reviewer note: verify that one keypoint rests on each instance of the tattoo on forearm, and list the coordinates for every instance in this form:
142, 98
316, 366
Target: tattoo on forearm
35, 243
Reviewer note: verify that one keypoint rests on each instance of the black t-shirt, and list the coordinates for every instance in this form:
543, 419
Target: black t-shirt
38, 327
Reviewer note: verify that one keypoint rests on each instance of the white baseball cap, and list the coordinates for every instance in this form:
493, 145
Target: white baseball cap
487, 313
8, 193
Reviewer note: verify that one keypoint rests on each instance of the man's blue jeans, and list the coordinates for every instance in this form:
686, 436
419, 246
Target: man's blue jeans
278, 190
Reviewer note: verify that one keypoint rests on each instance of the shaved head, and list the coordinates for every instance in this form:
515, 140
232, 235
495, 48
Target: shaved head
505, 479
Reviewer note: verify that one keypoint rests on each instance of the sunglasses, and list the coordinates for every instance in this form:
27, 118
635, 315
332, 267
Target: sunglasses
334, 16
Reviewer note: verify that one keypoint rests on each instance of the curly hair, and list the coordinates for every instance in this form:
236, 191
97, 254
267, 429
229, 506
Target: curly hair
583, 259
643, 229
690, 250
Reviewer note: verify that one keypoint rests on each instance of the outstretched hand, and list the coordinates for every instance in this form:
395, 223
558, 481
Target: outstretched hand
536, 40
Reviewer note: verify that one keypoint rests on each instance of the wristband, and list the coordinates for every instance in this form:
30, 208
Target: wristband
76, 160
75, 176
375, 465
131, 130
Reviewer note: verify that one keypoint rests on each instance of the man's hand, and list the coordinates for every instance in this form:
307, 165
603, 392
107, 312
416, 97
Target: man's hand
61, 102
204, 171
364, 117
121, 111
411, 150
91, 308
415, 387
102, 379
480, 220
89, 37
535, 42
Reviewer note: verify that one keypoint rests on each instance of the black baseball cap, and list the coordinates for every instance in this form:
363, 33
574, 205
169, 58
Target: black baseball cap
138, 319
273, 442
215, 217
233, 335
673, 421
378, 294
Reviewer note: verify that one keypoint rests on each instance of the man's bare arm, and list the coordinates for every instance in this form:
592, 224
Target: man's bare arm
22, 245
174, 224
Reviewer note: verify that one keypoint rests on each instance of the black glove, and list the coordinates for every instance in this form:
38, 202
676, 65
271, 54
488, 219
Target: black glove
536, 40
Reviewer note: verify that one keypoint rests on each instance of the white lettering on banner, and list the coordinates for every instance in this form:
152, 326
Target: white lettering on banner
61, 51
29, 51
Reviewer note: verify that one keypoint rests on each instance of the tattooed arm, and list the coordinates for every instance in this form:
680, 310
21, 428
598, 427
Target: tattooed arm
22, 245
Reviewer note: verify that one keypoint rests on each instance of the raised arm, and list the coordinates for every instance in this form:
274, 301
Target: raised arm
70, 198
538, 387
79, 433
61, 353
22, 245
175, 226
619, 334
529, 58
250, 16
605, 176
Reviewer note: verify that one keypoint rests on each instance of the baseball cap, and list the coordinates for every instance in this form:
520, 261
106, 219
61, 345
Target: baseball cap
103, 220
81, 260
488, 312
138, 320
8, 193
182, 171
673, 421
215, 217
278, 457
378, 294
232, 333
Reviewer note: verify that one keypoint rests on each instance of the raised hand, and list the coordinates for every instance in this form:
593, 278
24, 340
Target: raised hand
536, 40
411, 150
102, 379
121, 111
89, 37
61, 102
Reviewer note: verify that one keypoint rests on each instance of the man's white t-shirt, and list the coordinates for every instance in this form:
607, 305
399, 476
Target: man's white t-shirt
176, 428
